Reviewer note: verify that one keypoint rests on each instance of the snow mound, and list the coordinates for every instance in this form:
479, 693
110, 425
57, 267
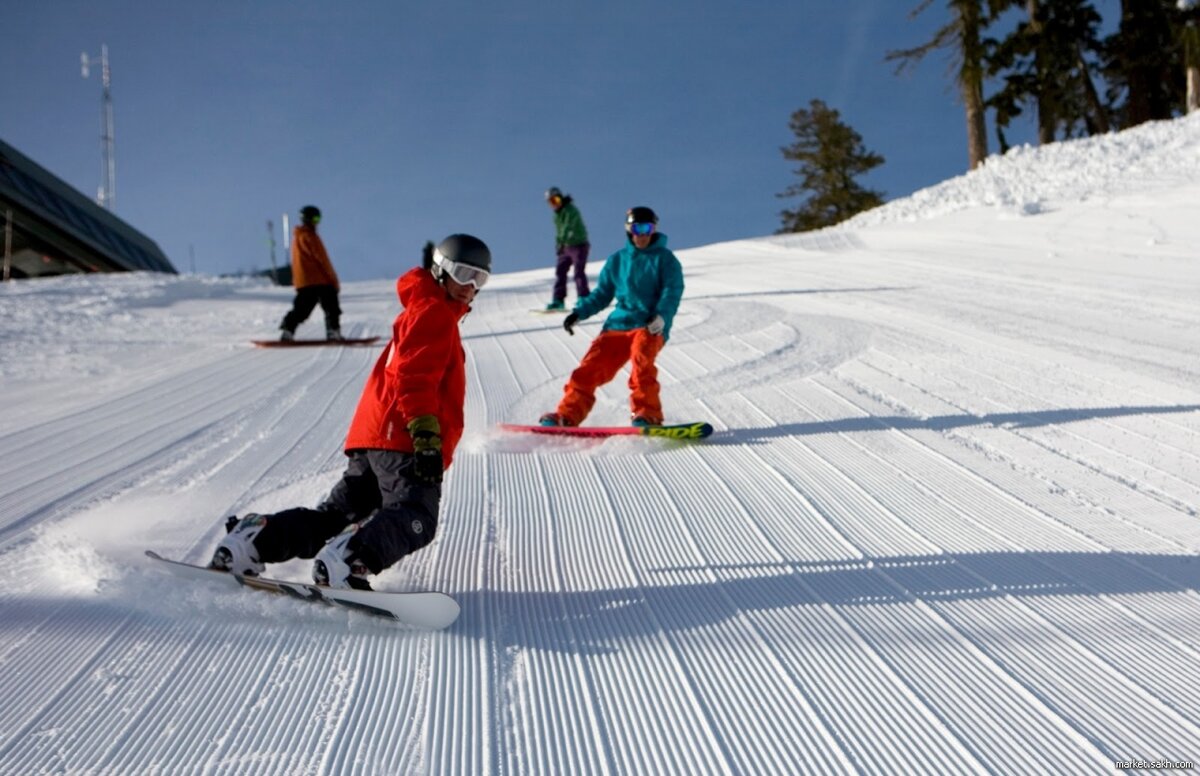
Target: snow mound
1031, 179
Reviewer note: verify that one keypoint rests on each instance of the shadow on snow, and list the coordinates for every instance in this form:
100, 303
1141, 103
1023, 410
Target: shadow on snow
591, 621
941, 422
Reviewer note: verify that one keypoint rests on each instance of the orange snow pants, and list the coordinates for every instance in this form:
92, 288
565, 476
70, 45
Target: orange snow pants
605, 357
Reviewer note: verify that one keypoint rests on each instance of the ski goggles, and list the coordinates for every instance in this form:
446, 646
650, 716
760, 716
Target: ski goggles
641, 230
555, 200
463, 274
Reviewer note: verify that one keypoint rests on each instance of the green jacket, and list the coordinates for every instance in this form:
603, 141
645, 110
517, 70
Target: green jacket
568, 225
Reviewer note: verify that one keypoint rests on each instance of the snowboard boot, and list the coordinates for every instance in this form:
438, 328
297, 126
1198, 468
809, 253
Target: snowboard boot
641, 421
554, 419
335, 566
286, 336
334, 335
555, 305
236, 553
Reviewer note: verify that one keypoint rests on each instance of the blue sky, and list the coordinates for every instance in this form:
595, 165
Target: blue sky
409, 121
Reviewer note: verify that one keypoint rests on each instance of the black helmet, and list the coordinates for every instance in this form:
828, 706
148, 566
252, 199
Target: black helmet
310, 214
554, 191
639, 215
464, 258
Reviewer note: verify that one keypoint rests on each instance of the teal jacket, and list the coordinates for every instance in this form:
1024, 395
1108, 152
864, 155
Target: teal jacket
645, 283
568, 225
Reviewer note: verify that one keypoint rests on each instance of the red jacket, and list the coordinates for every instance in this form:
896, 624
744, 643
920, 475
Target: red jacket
422, 371
310, 262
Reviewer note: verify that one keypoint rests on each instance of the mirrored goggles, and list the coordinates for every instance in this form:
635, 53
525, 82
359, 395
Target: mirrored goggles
641, 229
463, 274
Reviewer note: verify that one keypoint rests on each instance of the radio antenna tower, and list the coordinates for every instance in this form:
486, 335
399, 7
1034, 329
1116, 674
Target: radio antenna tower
106, 197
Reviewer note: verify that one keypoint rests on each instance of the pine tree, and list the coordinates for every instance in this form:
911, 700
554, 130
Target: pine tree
1189, 34
831, 156
1145, 68
963, 37
1043, 62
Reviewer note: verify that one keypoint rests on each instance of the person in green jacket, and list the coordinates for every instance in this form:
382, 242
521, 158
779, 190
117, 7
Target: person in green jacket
570, 245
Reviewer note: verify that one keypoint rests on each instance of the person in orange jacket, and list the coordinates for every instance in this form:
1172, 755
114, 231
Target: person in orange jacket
314, 278
401, 440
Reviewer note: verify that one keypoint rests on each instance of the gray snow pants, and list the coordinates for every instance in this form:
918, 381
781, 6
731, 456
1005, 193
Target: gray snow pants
396, 514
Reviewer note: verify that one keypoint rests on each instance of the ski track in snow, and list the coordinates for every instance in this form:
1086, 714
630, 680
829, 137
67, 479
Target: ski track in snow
948, 522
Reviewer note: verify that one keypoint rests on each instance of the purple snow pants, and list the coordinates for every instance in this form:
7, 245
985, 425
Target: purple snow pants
571, 256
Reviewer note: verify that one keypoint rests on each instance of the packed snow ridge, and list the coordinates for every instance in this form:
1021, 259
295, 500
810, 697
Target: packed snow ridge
1029, 179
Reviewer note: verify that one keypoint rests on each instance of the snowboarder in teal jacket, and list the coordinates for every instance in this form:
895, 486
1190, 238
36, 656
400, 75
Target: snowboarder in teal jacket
646, 279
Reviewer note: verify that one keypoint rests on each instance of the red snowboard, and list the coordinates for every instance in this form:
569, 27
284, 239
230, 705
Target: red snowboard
674, 431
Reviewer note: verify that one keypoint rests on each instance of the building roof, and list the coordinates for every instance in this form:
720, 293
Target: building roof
90, 235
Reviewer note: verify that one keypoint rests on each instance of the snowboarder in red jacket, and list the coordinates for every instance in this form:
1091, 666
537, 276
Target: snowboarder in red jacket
402, 438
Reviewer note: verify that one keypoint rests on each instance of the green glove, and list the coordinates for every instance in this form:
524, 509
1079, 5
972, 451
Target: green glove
427, 448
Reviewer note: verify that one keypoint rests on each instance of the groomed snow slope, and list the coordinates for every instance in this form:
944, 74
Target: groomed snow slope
948, 522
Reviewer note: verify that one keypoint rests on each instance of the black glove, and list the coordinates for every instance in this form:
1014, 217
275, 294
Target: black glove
427, 448
569, 323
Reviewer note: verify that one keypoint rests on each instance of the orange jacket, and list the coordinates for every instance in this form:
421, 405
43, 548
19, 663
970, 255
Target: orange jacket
310, 262
422, 371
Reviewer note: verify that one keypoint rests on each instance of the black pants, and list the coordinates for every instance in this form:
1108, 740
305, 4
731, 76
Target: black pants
395, 513
307, 299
